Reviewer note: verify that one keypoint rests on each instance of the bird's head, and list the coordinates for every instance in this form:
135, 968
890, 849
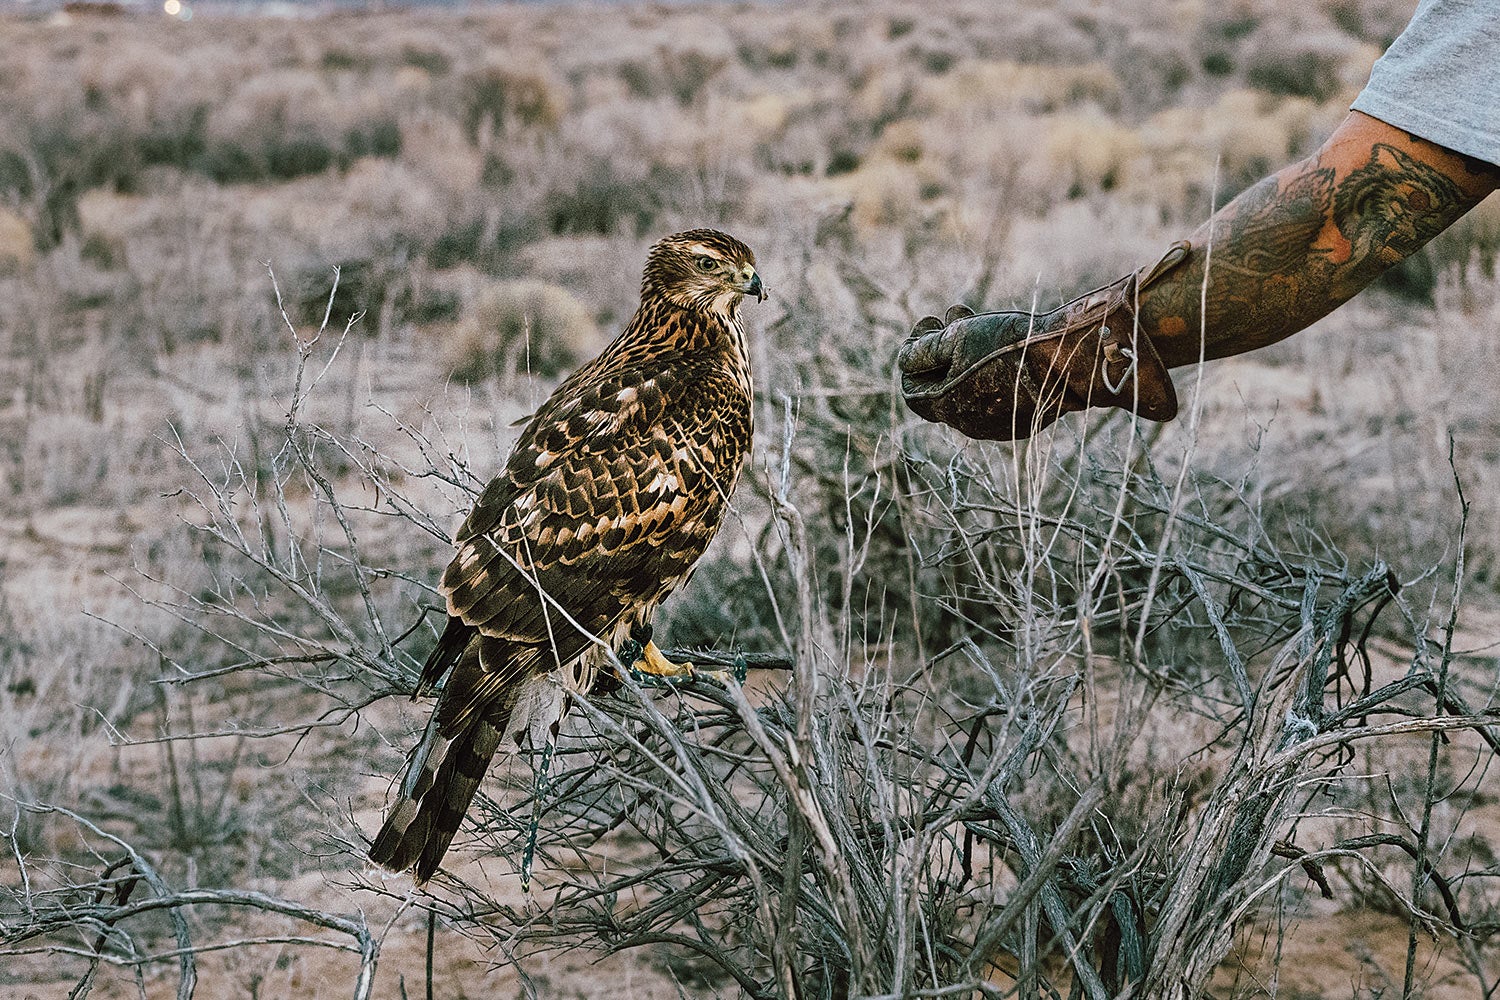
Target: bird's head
703, 270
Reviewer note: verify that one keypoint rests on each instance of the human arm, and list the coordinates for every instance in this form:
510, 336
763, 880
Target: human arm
1298, 244
1280, 255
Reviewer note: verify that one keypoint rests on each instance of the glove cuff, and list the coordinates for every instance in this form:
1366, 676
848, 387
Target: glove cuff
1100, 352
1008, 374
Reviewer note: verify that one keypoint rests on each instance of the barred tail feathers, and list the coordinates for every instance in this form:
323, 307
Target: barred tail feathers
445, 772
451, 645
440, 782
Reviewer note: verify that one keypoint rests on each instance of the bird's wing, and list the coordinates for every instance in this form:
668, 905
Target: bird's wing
609, 498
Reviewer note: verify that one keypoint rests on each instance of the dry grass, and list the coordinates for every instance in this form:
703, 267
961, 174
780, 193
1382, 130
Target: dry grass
521, 327
1016, 737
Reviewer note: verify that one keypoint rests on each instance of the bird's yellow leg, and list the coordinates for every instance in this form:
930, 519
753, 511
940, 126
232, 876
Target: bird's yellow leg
651, 668
654, 664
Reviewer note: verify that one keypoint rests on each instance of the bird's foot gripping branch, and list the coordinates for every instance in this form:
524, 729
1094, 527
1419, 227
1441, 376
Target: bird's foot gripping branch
648, 666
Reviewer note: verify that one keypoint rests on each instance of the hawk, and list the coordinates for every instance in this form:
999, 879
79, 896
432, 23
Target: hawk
612, 493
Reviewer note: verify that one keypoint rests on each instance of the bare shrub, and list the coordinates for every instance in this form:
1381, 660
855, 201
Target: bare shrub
598, 199
496, 98
520, 326
1377, 21
59, 687
1298, 64
374, 283
1037, 88
17, 250
1070, 718
1470, 247
1089, 153
681, 73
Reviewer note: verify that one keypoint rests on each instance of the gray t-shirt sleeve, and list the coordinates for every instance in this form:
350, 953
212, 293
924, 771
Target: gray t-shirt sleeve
1440, 80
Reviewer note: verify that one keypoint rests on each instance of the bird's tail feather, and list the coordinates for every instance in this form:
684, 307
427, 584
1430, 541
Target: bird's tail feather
445, 772
439, 784
450, 646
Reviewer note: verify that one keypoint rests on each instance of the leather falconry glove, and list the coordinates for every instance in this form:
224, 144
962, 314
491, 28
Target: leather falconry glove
1006, 375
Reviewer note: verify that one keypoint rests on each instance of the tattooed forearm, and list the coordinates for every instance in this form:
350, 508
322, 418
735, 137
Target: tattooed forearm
1301, 242
1391, 206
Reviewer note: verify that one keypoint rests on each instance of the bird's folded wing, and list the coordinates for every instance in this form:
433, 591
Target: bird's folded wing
609, 498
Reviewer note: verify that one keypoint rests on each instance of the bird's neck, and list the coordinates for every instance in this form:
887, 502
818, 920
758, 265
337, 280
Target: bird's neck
739, 352
669, 326
661, 326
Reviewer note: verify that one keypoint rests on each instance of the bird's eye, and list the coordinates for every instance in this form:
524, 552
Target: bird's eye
707, 264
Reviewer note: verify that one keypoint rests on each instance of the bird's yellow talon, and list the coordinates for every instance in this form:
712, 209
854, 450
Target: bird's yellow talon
651, 668
653, 664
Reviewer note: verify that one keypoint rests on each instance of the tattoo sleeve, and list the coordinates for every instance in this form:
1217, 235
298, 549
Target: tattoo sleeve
1303, 241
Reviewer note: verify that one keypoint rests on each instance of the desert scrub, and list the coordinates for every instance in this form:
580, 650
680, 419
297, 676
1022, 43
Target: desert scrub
497, 98
683, 74
884, 163
17, 249
1089, 153
521, 326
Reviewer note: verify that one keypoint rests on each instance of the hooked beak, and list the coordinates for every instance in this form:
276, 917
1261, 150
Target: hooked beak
754, 287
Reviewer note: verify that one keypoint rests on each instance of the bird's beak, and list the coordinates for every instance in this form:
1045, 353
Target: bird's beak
754, 287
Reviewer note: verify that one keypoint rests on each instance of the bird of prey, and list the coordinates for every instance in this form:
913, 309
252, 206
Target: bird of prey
612, 492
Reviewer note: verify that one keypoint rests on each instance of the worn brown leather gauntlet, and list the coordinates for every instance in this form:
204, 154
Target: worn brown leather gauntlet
1006, 375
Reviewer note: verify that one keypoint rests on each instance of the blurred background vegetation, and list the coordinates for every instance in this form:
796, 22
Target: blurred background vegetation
486, 182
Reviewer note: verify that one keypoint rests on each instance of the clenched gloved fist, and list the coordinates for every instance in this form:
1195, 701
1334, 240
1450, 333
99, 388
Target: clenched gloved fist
1006, 375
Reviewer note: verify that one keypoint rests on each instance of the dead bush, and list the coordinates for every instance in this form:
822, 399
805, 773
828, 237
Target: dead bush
519, 327
497, 98
1298, 64
680, 73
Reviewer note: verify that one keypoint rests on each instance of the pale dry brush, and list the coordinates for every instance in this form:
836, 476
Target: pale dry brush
856, 837
942, 795
272, 586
